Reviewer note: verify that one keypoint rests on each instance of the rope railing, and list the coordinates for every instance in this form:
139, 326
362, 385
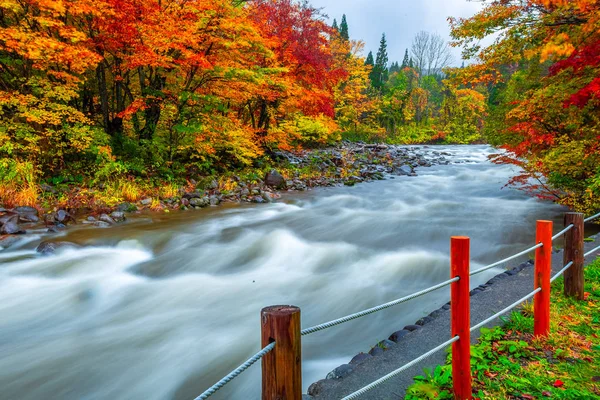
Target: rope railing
233, 374
561, 272
373, 310
406, 366
593, 217
548, 240
507, 259
559, 234
505, 310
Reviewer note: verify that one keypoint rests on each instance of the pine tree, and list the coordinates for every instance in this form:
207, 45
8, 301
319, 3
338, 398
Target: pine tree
379, 74
344, 33
411, 63
335, 25
406, 60
370, 60
395, 67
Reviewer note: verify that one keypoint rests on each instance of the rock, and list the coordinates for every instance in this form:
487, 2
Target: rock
28, 218
376, 351
386, 344
424, 320
411, 328
62, 216
185, 202
23, 210
258, 200
398, 335
446, 306
9, 217
199, 202
316, 388
340, 372
91, 219
102, 224
193, 195
274, 179
126, 207
146, 201
106, 218
118, 216
405, 170
214, 200
266, 197
47, 248
48, 189
360, 358
11, 228
7, 241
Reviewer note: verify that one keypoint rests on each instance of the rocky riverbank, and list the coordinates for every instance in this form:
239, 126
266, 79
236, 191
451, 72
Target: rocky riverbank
346, 164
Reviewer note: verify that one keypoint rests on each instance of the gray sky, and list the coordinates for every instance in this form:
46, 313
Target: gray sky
399, 19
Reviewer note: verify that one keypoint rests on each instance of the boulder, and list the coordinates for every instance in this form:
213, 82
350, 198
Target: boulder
199, 202
9, 217
405, 170
214, 200
193, 195
146, 202
126, 207
106, 218
7, 241
118, 216
274, 179
340, 372
23, 210
48, 248
62, 216
11, 228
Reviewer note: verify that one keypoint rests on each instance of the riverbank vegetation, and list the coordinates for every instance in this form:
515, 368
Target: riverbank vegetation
106, 100
509, 363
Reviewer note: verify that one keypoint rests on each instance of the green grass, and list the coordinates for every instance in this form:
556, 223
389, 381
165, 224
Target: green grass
509, 363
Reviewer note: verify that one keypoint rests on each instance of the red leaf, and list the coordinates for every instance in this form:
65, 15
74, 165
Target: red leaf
558, 383
547, 393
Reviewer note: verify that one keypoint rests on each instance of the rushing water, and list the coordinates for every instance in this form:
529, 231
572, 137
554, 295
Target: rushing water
164, 306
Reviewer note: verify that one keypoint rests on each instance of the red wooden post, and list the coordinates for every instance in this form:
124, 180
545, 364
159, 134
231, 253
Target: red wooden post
282, 367
543, 270
461, 317
574, 281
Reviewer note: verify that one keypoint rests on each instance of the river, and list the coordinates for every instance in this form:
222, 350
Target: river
163, 306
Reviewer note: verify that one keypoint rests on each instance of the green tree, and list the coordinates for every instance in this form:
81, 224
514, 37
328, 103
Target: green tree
335, 25
395, 67
379, 74
344, 33
370, 60
406, 61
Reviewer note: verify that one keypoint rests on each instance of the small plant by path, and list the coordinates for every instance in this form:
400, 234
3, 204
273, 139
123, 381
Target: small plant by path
509, 363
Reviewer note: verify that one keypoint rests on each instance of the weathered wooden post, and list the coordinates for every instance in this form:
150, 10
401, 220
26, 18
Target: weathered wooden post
543, 270
461, 317
573, 285
282, 367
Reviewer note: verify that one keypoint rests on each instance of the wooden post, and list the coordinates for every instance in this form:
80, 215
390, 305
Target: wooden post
543, 270
282, 367
461, 317
574, 252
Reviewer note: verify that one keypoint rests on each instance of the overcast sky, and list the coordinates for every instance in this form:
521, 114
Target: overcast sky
399, 19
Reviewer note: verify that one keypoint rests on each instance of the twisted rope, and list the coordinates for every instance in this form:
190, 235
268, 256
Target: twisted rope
562, 271
589, 253
379, 381
233, 374
593, 217
505, 310
360, 314
524, 252
559, 234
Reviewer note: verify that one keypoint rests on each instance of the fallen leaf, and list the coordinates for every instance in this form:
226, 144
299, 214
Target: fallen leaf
558, 383
547, 393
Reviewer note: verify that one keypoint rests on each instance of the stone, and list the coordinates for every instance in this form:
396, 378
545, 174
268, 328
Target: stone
340, 372
91, 219
106, 218
446, 306
411, 328
146, 201
118, 216
398, 335
214, 200
193, 195
11, 228
102, 224
360, 358
266, 197
9, 217
26, 210
28, 218
316, 388
199, 202
424, 320
274, 179
7, 241
48, 248
376, 351
62, 216
258, 200
386, 344
405, 170
126, 207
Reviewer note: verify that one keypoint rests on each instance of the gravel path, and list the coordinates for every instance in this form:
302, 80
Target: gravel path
507, 288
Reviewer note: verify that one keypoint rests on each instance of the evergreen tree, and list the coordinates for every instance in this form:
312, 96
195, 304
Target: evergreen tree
370, 60
335, 25
395, 67
411, 64
379, 74
406, 60
344, 29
